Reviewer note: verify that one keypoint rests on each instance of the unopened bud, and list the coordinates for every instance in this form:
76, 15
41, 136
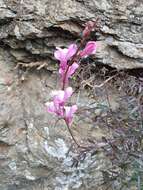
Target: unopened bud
89, 26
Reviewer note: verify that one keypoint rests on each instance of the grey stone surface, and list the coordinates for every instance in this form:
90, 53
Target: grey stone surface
33, 151
37, 27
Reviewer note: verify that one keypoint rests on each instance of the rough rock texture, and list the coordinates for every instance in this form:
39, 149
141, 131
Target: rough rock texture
30, 30
33, 152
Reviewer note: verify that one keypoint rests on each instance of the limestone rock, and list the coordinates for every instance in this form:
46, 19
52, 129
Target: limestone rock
33, 151
48, 24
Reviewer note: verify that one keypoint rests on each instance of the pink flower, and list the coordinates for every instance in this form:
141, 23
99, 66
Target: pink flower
54, 107
69, 112
89, 49
69, 73
72, 69
57, 106
61, 96
63, 55
59, 99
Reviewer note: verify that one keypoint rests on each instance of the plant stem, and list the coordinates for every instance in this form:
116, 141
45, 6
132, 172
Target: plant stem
72, 134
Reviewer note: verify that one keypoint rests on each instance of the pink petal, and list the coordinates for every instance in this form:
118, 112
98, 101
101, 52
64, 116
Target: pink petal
59, 109
72, 69
63, 55
60, 54
60, 96
89, 49
68, 93
63, 65
74, 109
71, 51
69, 111
70, 72
61, 71
54, 93
50, 107
57, 93
54, 107
63, 96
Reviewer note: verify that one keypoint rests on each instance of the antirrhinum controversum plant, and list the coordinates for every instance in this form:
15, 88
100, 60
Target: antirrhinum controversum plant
69, 61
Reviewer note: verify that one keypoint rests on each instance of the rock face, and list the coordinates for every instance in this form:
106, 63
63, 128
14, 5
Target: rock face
31, 30
34, 152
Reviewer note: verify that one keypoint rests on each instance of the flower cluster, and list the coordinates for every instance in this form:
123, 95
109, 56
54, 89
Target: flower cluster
69, 60
64, 55
57, 106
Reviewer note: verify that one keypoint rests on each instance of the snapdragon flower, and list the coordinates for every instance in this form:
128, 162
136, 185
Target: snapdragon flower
61, 96
89, 49
65, 54
69, 113
57, 105
69, 60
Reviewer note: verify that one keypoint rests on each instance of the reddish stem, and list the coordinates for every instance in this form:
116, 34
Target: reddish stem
72, 134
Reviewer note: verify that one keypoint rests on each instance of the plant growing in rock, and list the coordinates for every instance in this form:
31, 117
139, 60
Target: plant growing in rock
69, 61
124, 146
